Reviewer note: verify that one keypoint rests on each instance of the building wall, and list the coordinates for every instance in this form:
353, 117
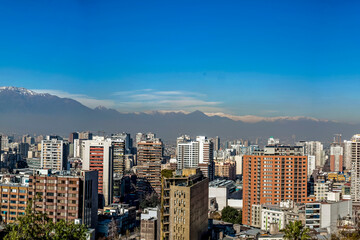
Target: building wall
221, 195
13, 202
188, 208
52, 154
148, 229
98, 157
270, 179
149, 156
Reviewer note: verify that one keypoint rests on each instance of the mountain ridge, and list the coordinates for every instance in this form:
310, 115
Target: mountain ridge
25, 111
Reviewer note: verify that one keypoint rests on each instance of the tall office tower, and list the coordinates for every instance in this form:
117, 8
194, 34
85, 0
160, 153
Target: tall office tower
85, 136
199, 153
149, 157
187, 154
336, 157
184, 198
28, 139
277, 173
98, 156
127, 140
206, 157
73, 136
355, 172
118, 156
0, 144
53, 154
67, 197
347, 154
216, 142
314, 148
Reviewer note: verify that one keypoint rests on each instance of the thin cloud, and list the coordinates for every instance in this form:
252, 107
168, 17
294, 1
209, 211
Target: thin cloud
151, 100
83, 99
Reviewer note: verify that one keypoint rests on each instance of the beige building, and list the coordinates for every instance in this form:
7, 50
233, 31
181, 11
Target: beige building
185, 206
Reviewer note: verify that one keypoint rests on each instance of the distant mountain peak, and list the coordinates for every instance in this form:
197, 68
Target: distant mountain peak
21, 91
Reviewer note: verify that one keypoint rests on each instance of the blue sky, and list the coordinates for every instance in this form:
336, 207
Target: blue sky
263, 58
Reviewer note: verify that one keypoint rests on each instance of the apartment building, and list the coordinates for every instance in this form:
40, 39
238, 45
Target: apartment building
149, 157
184, 202
62, 195
98, 156
53, 154
274, 174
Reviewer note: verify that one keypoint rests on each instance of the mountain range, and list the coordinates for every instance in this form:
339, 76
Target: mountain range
25, 111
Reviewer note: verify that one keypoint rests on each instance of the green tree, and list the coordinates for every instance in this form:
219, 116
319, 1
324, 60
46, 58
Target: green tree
151, 200
232, 215
296, 231
36, 225
33, 225
69, 230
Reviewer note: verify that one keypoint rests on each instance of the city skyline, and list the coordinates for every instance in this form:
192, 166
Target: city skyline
242, 58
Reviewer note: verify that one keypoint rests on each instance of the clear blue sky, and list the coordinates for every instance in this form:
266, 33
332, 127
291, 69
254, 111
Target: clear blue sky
265, 58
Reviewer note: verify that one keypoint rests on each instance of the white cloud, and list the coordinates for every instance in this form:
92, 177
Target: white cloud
152, 100
84, 99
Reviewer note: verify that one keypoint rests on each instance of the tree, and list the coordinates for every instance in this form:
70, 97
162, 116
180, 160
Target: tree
151, 200
36, 225
296, 231
232, 215
69, 230
113, 230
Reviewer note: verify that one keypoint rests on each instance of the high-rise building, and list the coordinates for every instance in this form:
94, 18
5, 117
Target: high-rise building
67, 197
275, 174
98, 156
314, 148
73, 136
85, 136
199, 153
225, 169
347, 154
149, 157
355, 172
336, 157
184, 199
187, 154
125, 137
53, 154
118, 156
216, 143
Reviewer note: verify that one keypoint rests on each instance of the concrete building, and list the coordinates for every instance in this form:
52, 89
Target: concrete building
314, 148
281, 215
149, 157
355, 172
278, 173
53, 154
199, 153
321, 190
65, 196
225, 169
184, 202
347, 154
336, 158
98, 156
311, 164
149, 224
220, 190
124, 137
13, 197
326, 214
239, 164
119, 165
